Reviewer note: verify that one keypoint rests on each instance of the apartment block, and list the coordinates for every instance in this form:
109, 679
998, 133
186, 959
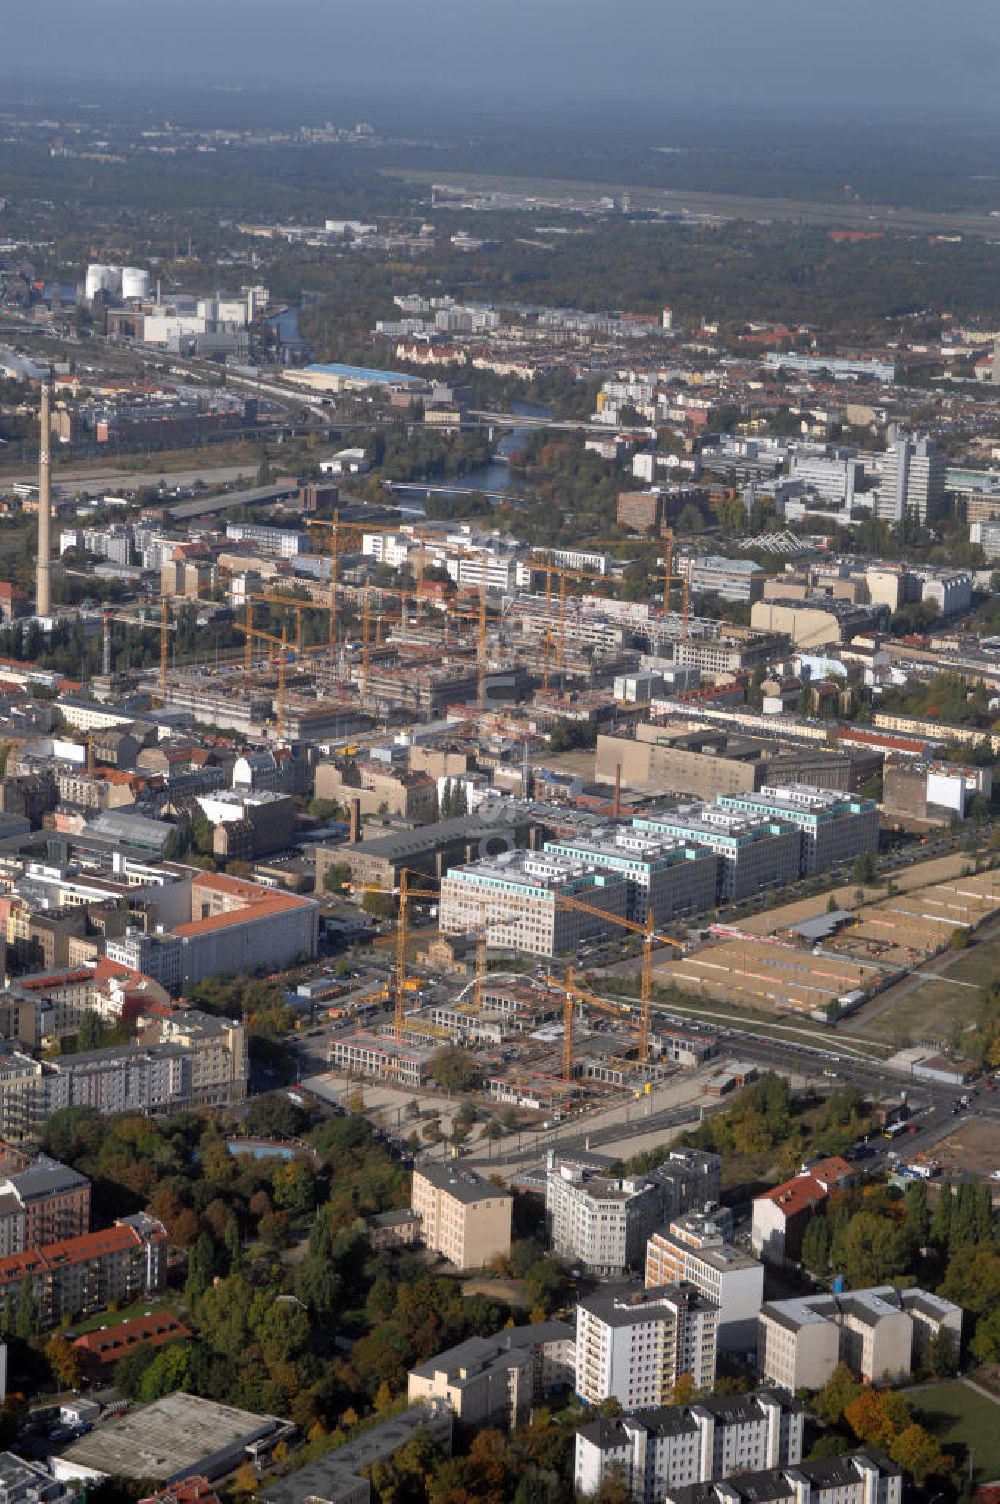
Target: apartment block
880, 1333
527, 901
834, 827
636, 1347
248, 825
655, 1450
216, 1050
465, 1219
603, 1223
381, 789
78, 1276
865, 1477
599, 1223
694, 1249
43, 1203
488, 1381
781, 1215
200, 1067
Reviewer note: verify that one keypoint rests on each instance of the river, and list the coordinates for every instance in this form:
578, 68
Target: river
496, 476
286, 323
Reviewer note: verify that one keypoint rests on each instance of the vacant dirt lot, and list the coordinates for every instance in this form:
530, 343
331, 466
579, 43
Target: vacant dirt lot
973, 1148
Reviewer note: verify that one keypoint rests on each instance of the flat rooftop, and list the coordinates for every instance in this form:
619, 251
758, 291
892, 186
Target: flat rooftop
172, 1438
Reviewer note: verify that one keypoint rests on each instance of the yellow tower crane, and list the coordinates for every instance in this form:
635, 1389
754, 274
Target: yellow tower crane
572, 996
164, 644
254, 634
648, 932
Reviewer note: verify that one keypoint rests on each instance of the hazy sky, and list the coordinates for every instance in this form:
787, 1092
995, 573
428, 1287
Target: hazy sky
914, 56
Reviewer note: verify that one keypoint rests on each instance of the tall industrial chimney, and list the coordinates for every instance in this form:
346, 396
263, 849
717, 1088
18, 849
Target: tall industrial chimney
43, 583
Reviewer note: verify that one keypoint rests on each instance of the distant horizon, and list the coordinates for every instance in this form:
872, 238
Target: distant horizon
907, 58
466, 110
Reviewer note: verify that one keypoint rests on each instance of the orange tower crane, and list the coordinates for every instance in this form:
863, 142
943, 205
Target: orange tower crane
481, 634
481, 961
670, 578
291, 603
406, 893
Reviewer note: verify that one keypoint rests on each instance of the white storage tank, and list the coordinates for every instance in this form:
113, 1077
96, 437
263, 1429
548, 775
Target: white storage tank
135, 283
102, 278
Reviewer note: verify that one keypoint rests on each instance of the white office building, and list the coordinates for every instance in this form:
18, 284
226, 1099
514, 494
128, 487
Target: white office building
835, 479
834, 827
527, 901
668, 876
756, 852
913, 474
693, 1248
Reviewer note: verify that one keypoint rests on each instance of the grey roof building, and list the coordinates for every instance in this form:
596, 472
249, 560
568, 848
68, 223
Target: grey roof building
337, 1477
171, 1439
495, 1380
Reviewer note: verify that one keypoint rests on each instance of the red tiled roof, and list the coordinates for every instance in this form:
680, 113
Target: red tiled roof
796, 1195
193, 1490
830, 1170
53, 1256
258, 903
108, 1344
884, 739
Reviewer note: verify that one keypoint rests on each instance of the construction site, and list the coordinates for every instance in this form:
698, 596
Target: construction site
543, 1041
328, 650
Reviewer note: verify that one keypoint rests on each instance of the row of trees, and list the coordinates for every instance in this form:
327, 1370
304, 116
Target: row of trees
860, 1415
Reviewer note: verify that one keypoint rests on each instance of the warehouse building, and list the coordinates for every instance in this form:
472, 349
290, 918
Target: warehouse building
175, 1437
